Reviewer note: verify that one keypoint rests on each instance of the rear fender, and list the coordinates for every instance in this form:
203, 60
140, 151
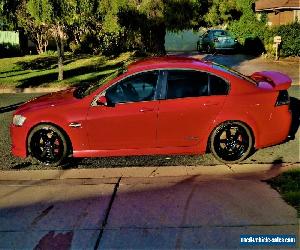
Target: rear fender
246, 120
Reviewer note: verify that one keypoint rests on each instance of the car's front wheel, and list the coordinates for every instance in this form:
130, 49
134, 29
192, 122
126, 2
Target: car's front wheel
231, 142
48, 145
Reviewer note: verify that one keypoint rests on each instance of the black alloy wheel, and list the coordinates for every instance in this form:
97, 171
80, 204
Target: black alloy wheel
231, 142
48, 145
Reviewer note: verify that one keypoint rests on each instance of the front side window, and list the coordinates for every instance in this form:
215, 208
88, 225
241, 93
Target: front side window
136, 88
186, 83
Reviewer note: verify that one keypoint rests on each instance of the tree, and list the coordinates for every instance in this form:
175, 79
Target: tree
85, 22
38, 33
151, 18
55, 15
8, 20
248, 26
222, 12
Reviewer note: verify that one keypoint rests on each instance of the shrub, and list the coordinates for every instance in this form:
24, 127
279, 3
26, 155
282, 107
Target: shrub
290, 35
9, 50
255, 34
250, 33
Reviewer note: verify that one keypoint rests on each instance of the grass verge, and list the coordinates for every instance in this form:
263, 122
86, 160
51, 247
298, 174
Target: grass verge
41, 70
288, 185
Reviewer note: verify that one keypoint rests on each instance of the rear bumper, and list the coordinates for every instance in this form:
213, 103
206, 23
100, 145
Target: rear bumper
218, 46
18, 141
225, 48
278, 129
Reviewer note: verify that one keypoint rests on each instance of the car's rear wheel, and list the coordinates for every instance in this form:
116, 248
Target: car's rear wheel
231, 142
48, 145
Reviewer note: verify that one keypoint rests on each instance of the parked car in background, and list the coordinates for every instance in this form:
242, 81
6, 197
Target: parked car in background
214, 39
162, 105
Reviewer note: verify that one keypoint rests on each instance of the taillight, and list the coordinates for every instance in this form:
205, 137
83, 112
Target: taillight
283, 98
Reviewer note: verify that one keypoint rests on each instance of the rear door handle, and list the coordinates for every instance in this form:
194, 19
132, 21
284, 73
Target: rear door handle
143, 110
210, 104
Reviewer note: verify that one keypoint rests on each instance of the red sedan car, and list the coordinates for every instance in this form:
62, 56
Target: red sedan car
162, 105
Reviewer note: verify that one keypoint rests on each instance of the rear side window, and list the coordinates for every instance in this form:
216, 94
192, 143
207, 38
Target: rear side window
218, 86
186, 83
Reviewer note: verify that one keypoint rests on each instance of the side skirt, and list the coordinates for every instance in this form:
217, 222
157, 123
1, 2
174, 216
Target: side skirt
149, 151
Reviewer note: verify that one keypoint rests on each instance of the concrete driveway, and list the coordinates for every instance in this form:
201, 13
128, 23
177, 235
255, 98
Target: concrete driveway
141, 208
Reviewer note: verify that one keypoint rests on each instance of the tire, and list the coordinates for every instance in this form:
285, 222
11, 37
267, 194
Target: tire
198, 47
48, 145
231, 142
209, 49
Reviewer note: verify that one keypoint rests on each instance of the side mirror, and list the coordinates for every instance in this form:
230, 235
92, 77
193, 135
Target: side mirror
102, 101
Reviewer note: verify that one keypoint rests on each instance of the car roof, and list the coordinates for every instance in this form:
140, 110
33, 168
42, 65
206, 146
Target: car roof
168, 62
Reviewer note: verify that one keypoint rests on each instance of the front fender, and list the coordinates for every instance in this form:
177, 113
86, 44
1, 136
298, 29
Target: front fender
77, 135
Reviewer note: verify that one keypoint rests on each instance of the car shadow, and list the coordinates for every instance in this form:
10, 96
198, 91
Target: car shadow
294, 106
10, 108
22, 165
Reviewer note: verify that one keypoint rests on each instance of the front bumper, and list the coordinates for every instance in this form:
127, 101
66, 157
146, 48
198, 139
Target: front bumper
18, 140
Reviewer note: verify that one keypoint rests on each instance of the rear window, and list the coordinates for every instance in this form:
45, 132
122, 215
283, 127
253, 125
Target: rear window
218, 86
233, 72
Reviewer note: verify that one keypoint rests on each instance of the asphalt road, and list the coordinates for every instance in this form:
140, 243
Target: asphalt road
286, 152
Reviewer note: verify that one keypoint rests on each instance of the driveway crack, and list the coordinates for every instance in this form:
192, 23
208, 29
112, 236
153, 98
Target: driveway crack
151, 174
230, 168
104, 223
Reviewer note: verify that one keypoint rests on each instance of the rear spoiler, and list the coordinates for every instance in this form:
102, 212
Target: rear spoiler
277, 80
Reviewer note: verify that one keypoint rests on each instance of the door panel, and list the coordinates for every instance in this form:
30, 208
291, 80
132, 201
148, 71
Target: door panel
188, 111
186, 121
125, 126
129, 120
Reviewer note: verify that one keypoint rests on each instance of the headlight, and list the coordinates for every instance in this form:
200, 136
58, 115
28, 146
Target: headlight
19, 120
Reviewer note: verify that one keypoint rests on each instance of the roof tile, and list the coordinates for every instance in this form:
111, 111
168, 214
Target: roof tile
269, 4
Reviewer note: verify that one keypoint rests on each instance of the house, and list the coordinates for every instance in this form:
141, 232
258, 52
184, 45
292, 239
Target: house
279, 11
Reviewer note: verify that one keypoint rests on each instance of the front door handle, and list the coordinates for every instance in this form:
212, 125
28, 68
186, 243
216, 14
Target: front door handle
146, 110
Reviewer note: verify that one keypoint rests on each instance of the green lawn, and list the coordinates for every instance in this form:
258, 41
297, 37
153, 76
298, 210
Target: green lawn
41, 70
288, 185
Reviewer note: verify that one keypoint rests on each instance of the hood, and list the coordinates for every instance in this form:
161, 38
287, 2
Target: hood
49, 100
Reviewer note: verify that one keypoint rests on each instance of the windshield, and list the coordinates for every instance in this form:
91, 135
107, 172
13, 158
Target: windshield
220, 33
87, 89
233, 72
